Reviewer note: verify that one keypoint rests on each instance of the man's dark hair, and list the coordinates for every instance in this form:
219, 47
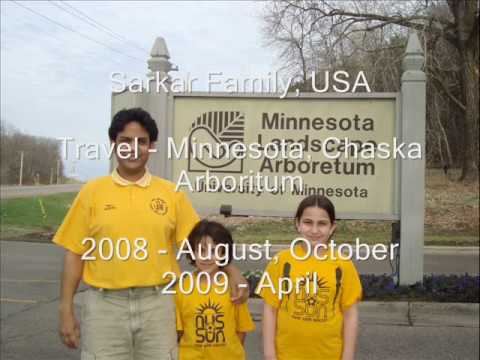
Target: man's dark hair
218, 233
126, 116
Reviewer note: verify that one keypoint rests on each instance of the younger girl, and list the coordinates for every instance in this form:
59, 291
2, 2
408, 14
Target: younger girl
318, 318
209, 325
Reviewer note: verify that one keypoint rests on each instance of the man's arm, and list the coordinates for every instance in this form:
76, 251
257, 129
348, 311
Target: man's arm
69, 328
350, 328
239, 284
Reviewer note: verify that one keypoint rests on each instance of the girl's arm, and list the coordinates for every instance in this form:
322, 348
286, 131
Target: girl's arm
241, 336
179, 335
269, 328
350, 328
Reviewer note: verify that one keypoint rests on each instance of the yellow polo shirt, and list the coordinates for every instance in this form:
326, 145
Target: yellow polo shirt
310, 317
210, 323
132, 229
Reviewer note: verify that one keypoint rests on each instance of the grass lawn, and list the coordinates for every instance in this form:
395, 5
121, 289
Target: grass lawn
282, 231
451, 218
26, 217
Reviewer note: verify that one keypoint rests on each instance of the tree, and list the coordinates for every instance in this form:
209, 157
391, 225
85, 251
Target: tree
344, 28
41, 155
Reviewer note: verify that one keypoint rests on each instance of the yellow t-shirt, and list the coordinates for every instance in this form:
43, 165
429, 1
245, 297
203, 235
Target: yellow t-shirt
122, 214
210, 323
310, 324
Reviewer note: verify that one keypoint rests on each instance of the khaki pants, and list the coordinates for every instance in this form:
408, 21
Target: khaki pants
130, 324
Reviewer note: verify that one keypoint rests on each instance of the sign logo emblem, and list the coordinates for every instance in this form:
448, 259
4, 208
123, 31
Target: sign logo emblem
215, 128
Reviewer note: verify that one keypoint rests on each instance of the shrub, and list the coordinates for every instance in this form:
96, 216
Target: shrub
436, 288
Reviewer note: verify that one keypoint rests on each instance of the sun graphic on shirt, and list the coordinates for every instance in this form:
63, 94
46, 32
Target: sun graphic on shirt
204, 308
209, 310
209, 323
309, 299
309, 281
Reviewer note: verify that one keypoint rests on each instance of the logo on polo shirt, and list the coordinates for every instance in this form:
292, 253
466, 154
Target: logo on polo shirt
159, 206
109, 207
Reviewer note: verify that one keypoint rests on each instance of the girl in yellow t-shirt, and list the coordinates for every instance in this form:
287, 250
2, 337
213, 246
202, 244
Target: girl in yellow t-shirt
317, 318
209, 325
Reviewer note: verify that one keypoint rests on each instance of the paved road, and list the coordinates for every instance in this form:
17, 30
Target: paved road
30, 274
7, 192
31, 334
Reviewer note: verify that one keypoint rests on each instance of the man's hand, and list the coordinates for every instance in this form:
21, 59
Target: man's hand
240, 293
69, 328
238, 285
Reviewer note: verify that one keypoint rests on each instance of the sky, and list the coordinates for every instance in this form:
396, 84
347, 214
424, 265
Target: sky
56, 82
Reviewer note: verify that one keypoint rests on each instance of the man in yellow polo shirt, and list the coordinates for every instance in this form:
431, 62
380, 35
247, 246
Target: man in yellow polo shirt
120, 234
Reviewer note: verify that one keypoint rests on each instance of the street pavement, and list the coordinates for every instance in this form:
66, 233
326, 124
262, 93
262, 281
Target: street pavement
31, 334
30, 279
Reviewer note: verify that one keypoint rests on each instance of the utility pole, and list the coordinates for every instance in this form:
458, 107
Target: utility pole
73, 174
20, 180
58, 172
51, 176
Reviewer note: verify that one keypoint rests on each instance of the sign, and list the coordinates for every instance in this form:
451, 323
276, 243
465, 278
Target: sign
322, 128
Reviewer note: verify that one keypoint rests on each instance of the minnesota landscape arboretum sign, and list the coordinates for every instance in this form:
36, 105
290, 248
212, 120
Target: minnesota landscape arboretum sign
260, 153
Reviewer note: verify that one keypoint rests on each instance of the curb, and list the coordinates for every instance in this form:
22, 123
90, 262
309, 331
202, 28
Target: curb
395, 313
384, 313
431, 314
403, 313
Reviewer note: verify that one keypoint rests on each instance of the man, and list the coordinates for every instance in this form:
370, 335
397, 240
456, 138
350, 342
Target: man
119, 234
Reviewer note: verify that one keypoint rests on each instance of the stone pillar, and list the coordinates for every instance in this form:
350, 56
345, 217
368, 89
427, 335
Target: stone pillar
412, 192
158, 103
